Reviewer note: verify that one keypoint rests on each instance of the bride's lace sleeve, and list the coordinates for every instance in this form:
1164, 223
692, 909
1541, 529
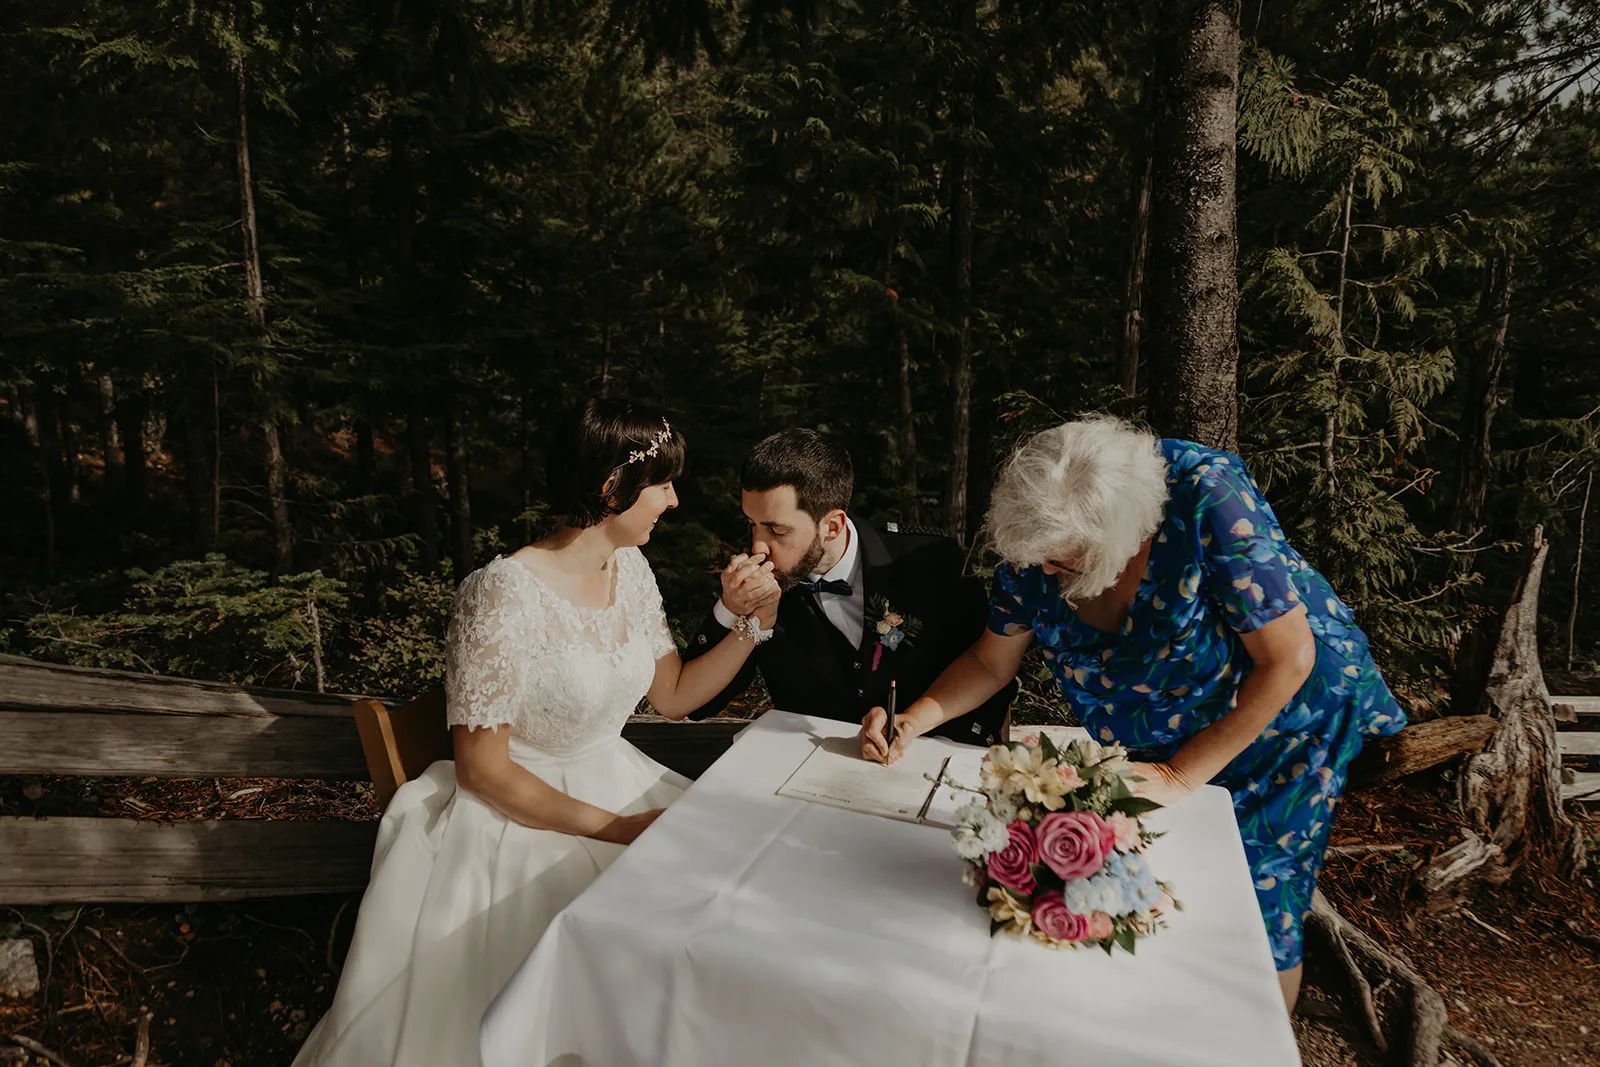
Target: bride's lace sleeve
647, 613
487, 650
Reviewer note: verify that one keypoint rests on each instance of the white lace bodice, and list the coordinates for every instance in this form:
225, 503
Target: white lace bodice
562, 677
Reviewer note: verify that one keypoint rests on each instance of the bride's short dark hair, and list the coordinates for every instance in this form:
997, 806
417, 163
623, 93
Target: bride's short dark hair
603, 455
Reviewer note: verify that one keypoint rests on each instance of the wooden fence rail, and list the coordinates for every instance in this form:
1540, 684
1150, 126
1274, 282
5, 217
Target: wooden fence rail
57, 720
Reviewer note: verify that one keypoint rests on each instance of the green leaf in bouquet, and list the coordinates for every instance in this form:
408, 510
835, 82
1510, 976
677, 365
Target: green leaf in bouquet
1048, 748
995, 926
1108, 944
1134, 806
1045, 878
1120, 788
1126, 938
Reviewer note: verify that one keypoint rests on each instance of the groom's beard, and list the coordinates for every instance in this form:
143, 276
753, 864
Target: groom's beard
803, 570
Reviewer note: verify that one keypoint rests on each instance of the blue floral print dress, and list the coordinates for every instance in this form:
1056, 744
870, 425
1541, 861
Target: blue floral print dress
1220, 567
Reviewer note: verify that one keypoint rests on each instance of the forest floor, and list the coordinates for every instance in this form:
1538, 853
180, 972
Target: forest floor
240, 985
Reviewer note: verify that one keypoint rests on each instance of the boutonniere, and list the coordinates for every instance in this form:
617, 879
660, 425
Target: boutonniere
893, 628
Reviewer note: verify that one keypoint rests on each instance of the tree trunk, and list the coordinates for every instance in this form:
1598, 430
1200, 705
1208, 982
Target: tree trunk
277, 470
1133, 286
1577, 571
1510, 793
908, 428
32, 425
372, 516
961, 223
71, 452
199, 454
1480, 400
132, 412
255, 296
527, 471
367, 476
256, 309
1330, 417
110, 448
907, 450
1193, 348
455, 443
422, 494
48, 419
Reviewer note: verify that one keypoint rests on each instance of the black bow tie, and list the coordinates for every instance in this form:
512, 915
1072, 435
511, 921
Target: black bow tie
826, 585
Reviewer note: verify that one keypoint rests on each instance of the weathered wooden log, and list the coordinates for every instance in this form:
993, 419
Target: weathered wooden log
89, 722
51, 861
1419, 747
1510, 794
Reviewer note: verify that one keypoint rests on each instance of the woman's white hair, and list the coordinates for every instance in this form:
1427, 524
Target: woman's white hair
1089, 491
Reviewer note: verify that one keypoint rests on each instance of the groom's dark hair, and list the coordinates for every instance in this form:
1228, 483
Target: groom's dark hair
820, 471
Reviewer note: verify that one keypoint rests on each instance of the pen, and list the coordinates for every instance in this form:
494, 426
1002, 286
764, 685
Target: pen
888, 727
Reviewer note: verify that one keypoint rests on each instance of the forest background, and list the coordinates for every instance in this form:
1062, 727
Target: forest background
290, 294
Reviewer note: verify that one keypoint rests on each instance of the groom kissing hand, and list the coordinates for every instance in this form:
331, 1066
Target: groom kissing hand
839, 608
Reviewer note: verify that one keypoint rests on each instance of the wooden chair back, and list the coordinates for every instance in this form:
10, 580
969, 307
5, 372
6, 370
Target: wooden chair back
399, 745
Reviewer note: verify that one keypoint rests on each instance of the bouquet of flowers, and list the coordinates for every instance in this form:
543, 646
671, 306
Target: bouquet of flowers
1056, 845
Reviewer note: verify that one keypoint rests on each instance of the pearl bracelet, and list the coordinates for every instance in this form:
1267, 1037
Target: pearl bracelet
749, 626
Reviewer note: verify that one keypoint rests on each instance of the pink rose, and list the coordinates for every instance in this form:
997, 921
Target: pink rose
1074, 843
1031, 740
1125, 830
1099, 926
1054, 920
1010, 865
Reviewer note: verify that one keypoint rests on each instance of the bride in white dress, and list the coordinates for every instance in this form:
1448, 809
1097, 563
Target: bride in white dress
549, 651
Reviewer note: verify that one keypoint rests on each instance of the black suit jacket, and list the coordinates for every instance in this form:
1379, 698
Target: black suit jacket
810, 667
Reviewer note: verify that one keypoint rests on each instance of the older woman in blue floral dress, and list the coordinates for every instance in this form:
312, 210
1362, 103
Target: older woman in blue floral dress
1178, 621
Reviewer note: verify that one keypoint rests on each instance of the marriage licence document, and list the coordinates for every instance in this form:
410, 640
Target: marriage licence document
915, 789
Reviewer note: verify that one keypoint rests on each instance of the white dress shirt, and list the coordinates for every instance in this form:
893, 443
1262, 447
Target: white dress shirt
847, 613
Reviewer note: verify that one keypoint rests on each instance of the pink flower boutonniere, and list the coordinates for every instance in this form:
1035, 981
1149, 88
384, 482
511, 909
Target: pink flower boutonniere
893, 628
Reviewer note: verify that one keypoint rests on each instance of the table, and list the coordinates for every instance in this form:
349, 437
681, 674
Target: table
746, 929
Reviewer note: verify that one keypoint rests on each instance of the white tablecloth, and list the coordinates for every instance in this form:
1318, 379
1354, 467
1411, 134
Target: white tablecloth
746, 929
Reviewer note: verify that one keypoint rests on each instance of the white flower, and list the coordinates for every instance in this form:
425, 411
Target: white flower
993, 832
979, 832
966, 843
1004, 808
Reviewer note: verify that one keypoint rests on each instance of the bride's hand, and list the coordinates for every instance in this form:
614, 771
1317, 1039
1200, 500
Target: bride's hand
625, 828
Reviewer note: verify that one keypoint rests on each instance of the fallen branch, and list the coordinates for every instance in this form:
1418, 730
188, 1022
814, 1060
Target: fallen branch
39, 1050
1452, 867
141, 1043
1362, 850
1419, 747
1495, 930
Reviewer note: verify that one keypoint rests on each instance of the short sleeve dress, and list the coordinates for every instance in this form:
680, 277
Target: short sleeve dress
1219, 567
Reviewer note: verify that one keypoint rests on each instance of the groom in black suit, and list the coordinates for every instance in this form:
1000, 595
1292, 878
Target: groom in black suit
858, 606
